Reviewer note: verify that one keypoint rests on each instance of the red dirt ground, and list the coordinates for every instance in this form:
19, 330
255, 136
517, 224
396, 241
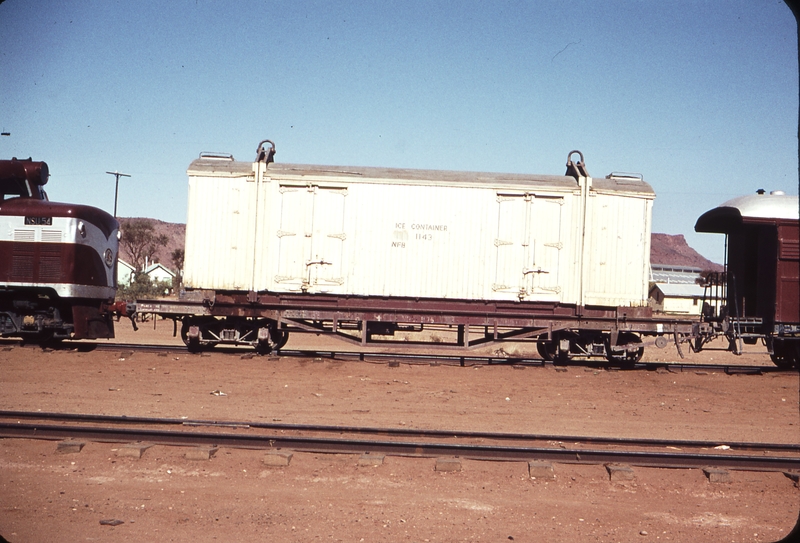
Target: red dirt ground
46, 496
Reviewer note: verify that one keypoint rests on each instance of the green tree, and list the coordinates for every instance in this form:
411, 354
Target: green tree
142, 287
141, 242
177, 257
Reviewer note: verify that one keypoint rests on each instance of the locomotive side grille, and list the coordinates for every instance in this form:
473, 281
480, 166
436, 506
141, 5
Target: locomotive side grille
24, 234
49, 269
22, 263
50, 265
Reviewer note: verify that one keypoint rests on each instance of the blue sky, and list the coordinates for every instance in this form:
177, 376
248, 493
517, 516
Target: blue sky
700, 97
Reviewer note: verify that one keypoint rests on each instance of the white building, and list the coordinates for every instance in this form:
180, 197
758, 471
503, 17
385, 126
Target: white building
678, 289
124, 273
157, 272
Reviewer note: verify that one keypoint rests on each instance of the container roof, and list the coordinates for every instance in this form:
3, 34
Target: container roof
227, 167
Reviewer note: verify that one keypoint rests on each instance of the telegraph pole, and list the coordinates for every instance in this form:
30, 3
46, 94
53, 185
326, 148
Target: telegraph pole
116, 190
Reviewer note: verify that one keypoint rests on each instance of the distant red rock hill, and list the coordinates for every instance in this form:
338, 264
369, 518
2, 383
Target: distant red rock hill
673, 250
664, 248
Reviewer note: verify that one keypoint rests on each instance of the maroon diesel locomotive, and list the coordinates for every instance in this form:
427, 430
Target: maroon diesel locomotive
58, 261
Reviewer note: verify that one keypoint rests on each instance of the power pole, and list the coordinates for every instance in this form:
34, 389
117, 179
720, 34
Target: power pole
116, 190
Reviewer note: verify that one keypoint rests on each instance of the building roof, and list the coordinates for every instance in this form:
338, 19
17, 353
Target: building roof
673, 290
155, 266
682, 275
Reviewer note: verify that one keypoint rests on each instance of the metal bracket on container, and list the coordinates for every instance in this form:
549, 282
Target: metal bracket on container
537, 271
265, 155
576, 169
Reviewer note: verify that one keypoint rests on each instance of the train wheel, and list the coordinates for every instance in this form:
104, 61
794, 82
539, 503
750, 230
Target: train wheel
626, 357
281, 337
547, 349
275, 340
205, 324
193, 344
785, 354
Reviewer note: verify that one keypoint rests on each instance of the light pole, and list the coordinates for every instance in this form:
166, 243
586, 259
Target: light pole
116, 189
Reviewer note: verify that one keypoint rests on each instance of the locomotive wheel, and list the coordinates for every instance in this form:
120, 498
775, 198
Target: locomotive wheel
625, 357
785, 354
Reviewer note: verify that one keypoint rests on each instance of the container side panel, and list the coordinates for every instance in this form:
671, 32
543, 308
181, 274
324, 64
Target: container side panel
419, 241
219, 233
306, 229
617, 259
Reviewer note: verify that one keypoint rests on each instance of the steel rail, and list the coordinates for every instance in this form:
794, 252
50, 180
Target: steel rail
398, 448
418, 433
446, 359
343, 444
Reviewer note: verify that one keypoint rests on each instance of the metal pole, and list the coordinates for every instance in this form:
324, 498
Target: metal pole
116, 189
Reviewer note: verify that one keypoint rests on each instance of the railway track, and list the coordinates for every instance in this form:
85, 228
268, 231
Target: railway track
426, 359
401, 442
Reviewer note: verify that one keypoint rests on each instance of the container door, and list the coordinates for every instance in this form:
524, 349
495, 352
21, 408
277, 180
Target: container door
324, 263
294, 236
311, 238
510, 243
544, 257
528, 246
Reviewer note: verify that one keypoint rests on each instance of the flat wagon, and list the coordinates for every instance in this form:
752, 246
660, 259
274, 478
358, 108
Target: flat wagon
364, 252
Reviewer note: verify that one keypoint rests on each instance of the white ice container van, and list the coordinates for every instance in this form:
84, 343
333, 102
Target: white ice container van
379, 232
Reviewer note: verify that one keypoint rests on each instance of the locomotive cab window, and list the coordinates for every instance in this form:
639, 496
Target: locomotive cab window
13, 189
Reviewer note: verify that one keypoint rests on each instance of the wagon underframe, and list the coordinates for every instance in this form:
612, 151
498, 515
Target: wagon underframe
558, 329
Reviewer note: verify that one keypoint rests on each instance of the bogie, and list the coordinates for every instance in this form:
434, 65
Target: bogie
206, 332
563, 346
